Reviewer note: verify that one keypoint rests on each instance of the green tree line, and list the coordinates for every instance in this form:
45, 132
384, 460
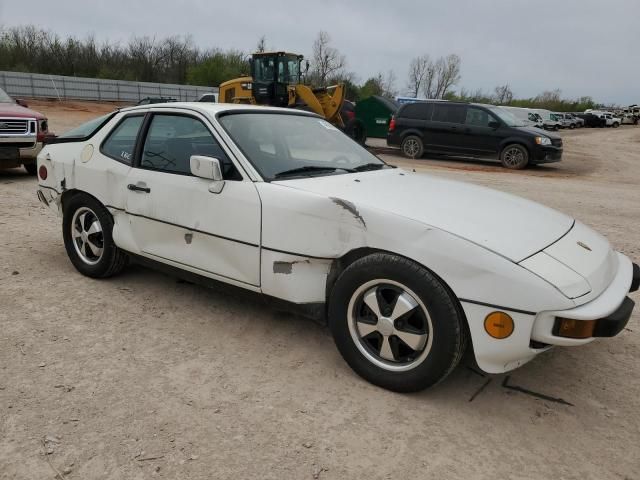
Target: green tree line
177, 59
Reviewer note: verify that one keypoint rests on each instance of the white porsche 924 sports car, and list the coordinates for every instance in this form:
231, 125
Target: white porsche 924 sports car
405, 267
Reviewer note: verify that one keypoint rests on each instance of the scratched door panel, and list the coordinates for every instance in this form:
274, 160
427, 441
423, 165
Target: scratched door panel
180, 220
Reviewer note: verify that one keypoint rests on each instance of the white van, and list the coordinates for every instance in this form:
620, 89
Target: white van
527, 115
549, 119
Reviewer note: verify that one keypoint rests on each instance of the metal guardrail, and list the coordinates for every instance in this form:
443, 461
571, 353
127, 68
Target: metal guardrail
36, 85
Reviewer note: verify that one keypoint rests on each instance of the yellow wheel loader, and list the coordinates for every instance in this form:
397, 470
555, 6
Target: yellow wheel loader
276, 81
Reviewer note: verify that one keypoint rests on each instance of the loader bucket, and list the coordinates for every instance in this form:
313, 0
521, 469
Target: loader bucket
326, 101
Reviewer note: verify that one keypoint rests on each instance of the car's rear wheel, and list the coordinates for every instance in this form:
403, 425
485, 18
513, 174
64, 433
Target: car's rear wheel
412, 146
514, 156
395, 323
87, 231
616, 124
31, 168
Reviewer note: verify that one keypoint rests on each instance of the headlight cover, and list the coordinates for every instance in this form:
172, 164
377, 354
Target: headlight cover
543, 140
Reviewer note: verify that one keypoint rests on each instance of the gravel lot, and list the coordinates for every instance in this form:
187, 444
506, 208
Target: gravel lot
143, 376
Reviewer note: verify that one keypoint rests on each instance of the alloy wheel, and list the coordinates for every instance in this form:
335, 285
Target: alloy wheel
411, 147
513, 157
87, 235
390, 325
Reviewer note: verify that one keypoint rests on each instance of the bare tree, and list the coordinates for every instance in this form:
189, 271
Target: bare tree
417, 73
447, 73
388, 84
429, 83
327, 60
262, 44
503, 94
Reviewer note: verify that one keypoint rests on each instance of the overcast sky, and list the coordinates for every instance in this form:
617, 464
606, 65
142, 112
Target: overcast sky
583, 47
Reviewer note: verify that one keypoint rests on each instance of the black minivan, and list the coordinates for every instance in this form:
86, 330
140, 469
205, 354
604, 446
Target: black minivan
471, 129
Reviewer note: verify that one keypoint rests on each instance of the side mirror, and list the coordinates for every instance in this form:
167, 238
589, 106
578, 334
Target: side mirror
209, 168
22, 103
494, 124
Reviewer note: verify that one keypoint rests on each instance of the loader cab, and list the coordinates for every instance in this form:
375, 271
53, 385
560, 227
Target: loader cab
272, 73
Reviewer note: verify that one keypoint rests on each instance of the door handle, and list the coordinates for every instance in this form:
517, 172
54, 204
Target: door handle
139, 188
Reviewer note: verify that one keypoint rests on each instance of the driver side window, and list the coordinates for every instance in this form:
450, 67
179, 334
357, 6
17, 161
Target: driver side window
478, 117
171, 141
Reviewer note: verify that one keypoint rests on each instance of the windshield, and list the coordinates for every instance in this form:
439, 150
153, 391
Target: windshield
4, 98
288, 145
89, 128
507, 117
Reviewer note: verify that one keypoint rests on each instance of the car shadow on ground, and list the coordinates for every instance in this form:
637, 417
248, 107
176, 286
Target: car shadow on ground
466, 387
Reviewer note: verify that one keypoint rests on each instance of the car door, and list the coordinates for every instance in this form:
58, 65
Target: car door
483, 132
445, 130
174, 216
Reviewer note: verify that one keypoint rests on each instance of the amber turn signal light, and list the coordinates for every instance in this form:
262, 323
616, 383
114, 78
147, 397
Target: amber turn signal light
498, 325
570, 328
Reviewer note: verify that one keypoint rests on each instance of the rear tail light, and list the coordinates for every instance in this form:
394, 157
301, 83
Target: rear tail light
42, 172
392, 124
351, 114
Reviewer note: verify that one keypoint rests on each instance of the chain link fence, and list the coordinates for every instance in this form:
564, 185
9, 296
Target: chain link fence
37, 85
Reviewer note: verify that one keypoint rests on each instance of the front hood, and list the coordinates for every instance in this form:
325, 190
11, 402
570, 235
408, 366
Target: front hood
18, 111
540, 132
505, 224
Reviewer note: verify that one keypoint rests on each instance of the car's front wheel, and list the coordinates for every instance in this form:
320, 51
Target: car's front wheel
87, 231
412, 146
514, 156
395, 323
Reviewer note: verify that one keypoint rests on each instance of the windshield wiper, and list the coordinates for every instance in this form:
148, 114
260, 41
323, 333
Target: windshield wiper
369, 166
305, 169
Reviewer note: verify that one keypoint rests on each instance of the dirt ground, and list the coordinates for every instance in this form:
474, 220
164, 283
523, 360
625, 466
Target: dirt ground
143, 376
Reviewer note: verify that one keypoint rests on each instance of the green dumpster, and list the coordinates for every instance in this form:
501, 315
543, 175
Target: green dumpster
375, 113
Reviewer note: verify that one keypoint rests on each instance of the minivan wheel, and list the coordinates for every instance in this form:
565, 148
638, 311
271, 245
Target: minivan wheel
514, 156
412, 147
87, 232
395, 323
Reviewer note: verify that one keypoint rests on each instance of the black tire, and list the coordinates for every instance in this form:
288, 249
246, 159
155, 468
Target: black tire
111, 259
412, 146
31, 168
616, 124
446, 330
514, 156
572, 126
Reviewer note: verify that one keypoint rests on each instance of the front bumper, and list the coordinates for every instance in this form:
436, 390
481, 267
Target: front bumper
546, 154
25, 155
535, 333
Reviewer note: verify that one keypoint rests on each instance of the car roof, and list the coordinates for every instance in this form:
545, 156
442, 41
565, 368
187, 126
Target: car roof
215, 108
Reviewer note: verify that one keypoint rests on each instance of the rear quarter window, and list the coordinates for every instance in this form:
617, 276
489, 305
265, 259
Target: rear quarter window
121, 142
417, 111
